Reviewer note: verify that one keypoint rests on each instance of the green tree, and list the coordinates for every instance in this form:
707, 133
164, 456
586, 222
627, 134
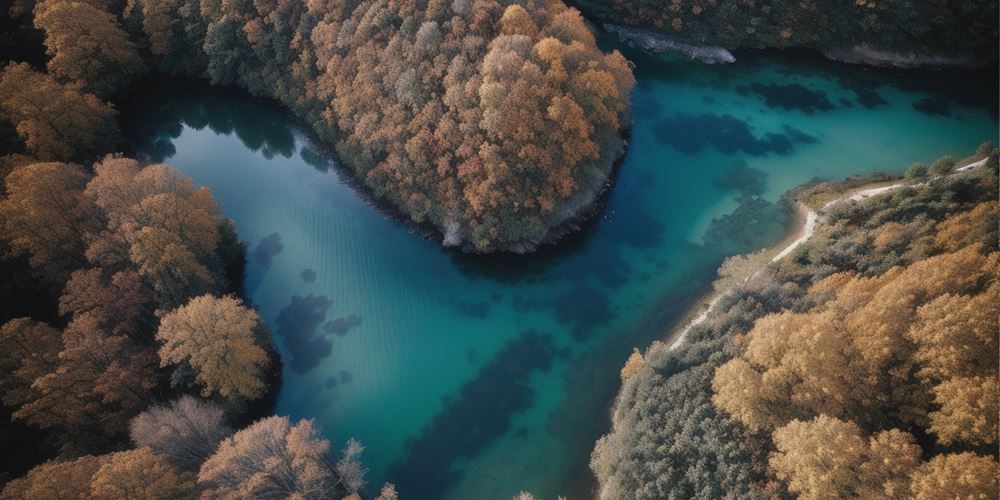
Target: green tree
943, 165
916, 171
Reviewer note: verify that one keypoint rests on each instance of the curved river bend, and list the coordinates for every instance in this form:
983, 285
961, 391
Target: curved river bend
477, 377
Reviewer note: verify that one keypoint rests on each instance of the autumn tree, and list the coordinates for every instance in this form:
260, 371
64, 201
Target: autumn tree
28, 350
957, 342
45, 216
120, 301
100, 382
56, 121
830, 458
220, 340
187, 431
855, 356
86, 45
140, 473
158, 221
66, 479
956, 475
270, 458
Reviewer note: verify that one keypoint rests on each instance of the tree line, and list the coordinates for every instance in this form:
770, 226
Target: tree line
964, 29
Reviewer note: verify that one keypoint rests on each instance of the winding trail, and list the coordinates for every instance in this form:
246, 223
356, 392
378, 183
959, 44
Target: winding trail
804, 231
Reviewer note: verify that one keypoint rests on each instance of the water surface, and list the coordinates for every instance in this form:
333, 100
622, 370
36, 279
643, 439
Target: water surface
472, 377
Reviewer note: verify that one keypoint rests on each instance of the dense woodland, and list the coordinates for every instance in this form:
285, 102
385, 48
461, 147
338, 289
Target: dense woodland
497, 123
864, 365
129, 366
962, 29
135, 381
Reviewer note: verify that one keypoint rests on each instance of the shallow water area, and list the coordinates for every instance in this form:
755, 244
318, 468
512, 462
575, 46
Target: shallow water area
477, 377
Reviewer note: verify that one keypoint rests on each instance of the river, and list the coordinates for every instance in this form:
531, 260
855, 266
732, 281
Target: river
477, 377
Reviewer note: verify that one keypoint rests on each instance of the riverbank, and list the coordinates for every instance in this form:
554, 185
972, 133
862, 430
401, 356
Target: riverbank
655, 43
802, 227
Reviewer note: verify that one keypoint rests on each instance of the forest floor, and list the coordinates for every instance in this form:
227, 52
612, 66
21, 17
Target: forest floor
803, 225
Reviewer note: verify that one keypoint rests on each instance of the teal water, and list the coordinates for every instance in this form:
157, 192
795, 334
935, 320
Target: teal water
477, 377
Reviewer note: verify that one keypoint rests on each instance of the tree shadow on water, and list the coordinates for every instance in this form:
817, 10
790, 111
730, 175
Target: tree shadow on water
473, 419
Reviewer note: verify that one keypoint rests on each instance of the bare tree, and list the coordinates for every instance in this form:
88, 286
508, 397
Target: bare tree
187, 431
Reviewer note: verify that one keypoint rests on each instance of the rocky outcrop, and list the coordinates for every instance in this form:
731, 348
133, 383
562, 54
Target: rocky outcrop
658, 43
864, 54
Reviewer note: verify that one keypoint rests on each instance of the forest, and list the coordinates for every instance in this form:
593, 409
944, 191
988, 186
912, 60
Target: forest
965, 30
865, 365
128, 361
132, 365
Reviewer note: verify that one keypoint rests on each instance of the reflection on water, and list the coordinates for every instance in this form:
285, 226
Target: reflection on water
478, 376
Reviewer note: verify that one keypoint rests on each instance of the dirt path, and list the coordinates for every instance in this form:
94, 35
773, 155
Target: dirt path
804, 229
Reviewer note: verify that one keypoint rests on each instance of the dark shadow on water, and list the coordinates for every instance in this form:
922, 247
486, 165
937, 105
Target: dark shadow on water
740, 176
645, 107
297, 325
342, 325
308, 275
315, 159
473, 418
583, 307
692, 133
268, 247
790, 96
154, 113
468, 309
935, 105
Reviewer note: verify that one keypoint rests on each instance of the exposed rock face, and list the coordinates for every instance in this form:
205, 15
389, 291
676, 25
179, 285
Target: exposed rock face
658, 43
864, 54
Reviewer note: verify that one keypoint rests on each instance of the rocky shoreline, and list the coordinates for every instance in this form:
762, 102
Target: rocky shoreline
864, 54
658, 44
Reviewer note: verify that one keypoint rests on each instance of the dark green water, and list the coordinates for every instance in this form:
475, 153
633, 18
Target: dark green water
473, 377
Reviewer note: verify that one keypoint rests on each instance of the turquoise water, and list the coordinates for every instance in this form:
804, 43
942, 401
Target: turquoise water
476, 377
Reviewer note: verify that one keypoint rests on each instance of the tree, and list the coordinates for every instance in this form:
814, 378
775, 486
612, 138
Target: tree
219, 339
99, 383
57, 121
956, 475
45, 217
943, 165
141, 473
829, 458
632, 366
388, 492
349, 469
121, 301
87, 46
968, 410
68, 479
186, 432
160, 222
916, 171
270, 458
28, 350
